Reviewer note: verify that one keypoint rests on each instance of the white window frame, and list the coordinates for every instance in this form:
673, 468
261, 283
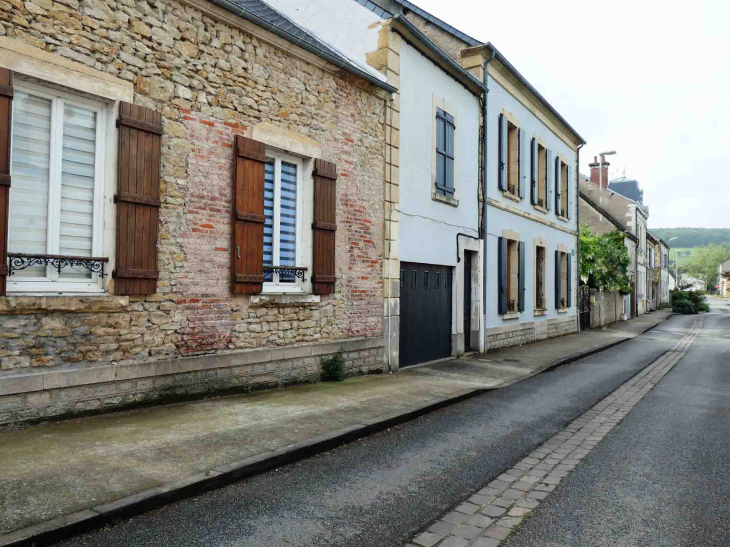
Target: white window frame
275, 286
50, 283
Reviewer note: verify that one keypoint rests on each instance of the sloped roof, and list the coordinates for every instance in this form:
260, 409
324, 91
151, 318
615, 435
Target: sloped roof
627, 188
265, 16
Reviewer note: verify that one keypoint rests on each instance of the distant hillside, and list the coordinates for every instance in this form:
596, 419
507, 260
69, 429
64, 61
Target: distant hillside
692, 237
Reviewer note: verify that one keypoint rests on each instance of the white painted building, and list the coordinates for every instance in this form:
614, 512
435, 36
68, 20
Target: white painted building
433, 262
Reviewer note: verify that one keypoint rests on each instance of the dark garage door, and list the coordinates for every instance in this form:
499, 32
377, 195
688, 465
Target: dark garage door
425, 313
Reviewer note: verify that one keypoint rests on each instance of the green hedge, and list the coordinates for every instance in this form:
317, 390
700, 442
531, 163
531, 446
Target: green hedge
689, 302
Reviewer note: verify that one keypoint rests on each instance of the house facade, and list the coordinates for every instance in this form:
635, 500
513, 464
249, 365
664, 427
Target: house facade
723, 271
632, 216
664, 275
191, 203
531, 215
600, 221
432, 211
653, 271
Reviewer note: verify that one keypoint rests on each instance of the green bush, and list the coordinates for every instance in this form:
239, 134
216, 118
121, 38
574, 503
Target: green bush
696, 301
684, 306
333, 368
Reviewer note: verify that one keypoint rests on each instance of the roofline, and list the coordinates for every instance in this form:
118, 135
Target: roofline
608, 216
443, 25
340, 63
409, 31
502, 59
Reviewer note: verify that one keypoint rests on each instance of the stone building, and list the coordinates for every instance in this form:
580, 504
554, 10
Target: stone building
219, 188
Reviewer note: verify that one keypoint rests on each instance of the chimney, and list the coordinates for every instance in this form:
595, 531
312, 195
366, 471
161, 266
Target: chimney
594, 170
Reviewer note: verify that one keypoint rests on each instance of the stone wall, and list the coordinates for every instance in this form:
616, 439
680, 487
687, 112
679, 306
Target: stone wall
211, 80
606, 308
525, 333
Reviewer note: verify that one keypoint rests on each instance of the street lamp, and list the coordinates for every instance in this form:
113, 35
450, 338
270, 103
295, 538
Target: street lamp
600, 168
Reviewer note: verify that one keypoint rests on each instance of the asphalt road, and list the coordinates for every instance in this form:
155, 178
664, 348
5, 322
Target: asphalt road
382, 490
662, 477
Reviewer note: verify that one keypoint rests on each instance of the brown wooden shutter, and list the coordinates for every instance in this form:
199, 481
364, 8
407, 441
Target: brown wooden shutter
6, 124
324, 227
248, 216
137, 199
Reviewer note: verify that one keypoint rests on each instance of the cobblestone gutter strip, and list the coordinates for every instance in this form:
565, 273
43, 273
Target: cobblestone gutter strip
488, 517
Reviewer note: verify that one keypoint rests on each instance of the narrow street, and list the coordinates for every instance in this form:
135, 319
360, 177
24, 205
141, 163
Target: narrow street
659, 479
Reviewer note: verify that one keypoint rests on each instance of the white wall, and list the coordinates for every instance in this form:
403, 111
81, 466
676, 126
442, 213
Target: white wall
428, 228
345, 25
498, 99
528, 230
498, 219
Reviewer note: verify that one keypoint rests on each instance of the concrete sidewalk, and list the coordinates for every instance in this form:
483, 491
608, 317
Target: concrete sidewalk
60, 478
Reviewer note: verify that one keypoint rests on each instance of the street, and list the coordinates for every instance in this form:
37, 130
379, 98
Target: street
659, 479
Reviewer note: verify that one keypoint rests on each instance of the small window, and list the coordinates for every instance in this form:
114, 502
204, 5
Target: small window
282, 213
563, 189
512, 275
445, 129
57, 166
541, 176
540, 296
513, 160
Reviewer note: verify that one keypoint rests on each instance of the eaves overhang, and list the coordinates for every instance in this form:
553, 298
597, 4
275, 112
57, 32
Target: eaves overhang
420, 41
523, 81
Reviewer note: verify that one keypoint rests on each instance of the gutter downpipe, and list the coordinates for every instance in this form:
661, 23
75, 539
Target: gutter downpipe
577, 237
485, 149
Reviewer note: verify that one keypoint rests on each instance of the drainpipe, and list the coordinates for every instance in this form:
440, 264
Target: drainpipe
577, 219
484, 192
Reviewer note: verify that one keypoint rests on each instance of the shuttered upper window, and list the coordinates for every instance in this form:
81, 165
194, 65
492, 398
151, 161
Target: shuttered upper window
282, 225
56, 165
445, 128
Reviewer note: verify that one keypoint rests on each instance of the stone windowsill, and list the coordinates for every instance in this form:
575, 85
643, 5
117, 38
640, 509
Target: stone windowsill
563, 310
564, 219
513, 197
539, 312
22, 304
445, 199
283, 299
541, 209
511, 315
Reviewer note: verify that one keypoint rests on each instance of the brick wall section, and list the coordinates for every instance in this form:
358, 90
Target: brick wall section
210, 82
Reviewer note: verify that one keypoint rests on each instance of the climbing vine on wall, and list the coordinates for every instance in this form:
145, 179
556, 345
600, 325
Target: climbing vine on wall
604, 260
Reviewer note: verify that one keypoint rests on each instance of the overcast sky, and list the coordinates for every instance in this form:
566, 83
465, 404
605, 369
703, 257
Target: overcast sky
648, 79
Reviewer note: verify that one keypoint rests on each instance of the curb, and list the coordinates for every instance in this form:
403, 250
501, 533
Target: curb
55, 530
63, 527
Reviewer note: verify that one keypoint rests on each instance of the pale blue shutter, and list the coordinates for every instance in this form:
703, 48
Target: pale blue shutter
440, 152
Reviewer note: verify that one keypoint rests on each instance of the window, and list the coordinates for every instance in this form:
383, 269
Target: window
57, 164
511, 273
282, 224
445, 128
541, 175
513, 160
563, 279
563, 203
540, 297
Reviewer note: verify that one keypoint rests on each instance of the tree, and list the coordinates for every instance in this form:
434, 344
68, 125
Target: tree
703, 262
604, 260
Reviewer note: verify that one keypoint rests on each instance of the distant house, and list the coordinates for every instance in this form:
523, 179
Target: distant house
724, 284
